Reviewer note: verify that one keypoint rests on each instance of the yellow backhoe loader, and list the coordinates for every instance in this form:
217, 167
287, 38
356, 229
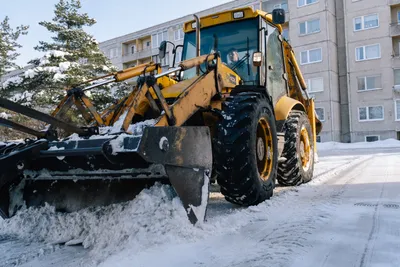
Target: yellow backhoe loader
235, 108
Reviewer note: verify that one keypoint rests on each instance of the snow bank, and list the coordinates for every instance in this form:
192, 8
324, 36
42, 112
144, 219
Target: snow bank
154, 217
389, 143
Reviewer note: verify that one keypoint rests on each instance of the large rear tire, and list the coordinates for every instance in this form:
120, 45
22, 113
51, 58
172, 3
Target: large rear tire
298, 151
245, 149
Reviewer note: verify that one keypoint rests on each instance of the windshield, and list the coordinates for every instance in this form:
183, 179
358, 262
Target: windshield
235, 42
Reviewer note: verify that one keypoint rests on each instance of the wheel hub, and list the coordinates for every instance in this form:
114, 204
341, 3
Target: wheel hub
260, 149
305, 149
264, 149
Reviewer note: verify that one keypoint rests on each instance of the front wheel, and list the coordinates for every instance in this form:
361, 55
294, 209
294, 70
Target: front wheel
246, 149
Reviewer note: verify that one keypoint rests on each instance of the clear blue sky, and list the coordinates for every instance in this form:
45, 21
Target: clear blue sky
114, 18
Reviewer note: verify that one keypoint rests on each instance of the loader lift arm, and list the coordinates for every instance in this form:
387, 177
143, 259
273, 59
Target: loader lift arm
187, 171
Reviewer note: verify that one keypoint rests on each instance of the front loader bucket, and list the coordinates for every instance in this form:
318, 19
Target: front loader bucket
102, 170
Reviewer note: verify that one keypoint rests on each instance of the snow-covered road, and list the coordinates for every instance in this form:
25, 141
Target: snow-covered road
349, 215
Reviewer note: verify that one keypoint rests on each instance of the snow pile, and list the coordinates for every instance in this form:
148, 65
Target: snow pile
138, 128
388, 143
154, 217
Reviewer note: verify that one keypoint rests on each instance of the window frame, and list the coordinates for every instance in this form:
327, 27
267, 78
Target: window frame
398, 17
158, 43
179, 37
363, 21
367, 109
365, 80
323, 109
396, 117
305, 3
306, 24
308, 56
308, 82
365, 138
364, 49
280, 6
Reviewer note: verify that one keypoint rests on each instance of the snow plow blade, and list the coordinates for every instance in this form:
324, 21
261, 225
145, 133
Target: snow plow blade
102, 170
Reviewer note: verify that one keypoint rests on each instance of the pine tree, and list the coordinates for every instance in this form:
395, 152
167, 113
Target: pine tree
72, 57
9, 44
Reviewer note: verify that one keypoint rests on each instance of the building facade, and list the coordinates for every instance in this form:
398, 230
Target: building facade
348, 51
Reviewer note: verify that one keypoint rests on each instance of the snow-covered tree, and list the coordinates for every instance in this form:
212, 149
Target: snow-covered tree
9, 44
72, 57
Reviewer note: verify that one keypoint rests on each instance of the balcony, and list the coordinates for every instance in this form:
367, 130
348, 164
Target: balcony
146, 53
393, 2
395, 29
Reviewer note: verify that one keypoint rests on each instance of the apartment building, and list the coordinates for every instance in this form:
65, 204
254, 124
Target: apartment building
348, 50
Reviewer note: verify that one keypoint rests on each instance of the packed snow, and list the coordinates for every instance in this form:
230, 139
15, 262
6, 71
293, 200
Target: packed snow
322, 221
388, 143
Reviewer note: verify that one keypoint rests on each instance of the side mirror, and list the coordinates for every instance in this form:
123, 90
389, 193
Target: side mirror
278, 16
257, 59
162, 50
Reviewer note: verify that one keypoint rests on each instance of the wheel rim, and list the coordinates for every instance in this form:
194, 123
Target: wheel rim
264, 149
305, 149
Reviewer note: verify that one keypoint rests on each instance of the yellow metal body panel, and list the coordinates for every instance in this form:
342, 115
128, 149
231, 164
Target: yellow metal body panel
285, 105
226, 17
197, 95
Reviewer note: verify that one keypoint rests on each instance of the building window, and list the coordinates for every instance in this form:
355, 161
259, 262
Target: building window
397, 77
156, 39
320, 113
133, 49
369, 83
366, 22
373, 113
315, 85
284, 6
178, 34
148, 44
397, 108
164, 62
318, 139
311, 56
310, 26
301, 3
398, 17
368, 52
256, 6
112, 53
178, 57
372, 138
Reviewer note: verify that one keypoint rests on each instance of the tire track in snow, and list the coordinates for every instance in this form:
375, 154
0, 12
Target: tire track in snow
275, 232
281, 240
361, 235
374, 229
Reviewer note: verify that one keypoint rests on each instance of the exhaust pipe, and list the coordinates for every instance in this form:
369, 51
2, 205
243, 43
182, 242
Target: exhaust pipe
197, 41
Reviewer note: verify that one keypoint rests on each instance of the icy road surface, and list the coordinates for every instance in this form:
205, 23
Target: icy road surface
349, 215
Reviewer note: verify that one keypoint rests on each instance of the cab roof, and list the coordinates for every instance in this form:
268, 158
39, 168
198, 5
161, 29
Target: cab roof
228, 16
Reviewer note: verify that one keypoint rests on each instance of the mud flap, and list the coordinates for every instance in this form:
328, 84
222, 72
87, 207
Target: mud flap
192, 187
